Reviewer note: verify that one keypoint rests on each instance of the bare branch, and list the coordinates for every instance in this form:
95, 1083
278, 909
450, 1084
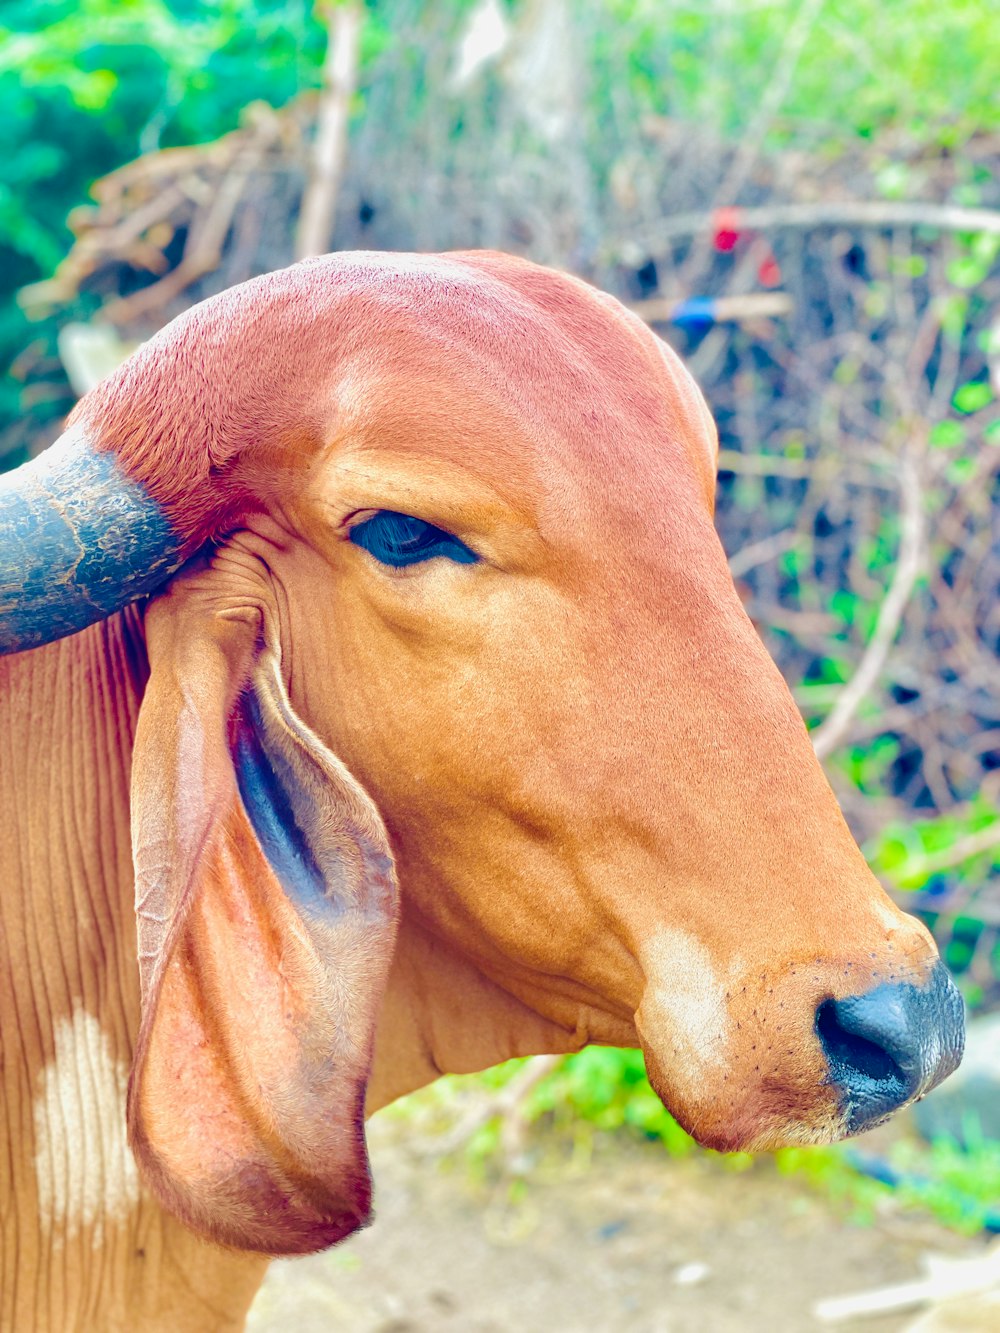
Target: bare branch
765, 465
732, 309
202, 254
319, 203
833, 729
973, 844
506, 1102
847, 213
758, 553
752, 141
946, 1278
816, 469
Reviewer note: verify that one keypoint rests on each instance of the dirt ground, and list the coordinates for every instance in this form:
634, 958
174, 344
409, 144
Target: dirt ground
630, 1241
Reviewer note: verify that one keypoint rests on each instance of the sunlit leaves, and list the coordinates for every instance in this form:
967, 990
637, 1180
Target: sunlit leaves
928, 68
947, 434
971, 397
908, 852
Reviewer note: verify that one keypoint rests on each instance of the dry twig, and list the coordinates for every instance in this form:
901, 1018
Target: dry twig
845, 213
507, 1103
828, 735
319, 203
752, 142
726, 309
946, 1278
963, 849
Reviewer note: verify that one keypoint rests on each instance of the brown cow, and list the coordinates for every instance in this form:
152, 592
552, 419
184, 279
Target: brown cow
469, 624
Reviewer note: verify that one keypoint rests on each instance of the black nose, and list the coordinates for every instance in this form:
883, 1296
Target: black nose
891, 1045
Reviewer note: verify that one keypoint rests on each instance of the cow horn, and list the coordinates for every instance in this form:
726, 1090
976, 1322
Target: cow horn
78, 541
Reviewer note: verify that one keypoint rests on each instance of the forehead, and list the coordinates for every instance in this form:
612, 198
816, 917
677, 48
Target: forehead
518, 375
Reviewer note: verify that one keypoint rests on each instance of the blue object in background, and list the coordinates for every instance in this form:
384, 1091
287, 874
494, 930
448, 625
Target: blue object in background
697, 313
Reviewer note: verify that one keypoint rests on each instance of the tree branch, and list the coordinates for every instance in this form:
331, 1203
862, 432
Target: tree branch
759, 553
319, 203
507, 1102
752, 141
973, 844
847, 213
828, 735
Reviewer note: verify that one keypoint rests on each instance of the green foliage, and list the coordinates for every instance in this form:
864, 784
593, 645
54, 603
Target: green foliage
921, 66
608, 1088
960, 1186
599, 1090
869, 765
86, 85
973, 396
603, 1090
906, 852
947, 435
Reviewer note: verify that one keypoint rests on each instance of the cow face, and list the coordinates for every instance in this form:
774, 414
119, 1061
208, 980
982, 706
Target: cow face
471, 621
596, 784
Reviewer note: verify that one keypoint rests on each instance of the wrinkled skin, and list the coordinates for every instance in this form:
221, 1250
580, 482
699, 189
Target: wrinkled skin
606, 819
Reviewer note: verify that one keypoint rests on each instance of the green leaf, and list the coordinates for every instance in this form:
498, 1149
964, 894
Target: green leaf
953, 312
93, 91
844, 605
910, 266
960, 470
967, 272
973, 396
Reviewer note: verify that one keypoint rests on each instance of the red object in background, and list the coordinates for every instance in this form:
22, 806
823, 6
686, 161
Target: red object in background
769, 273
727, 231
726, 228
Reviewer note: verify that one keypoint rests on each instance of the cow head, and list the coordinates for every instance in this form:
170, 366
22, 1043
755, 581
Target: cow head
469, 618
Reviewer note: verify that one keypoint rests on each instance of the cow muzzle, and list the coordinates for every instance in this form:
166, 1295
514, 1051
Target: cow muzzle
756, 1057
890, 1045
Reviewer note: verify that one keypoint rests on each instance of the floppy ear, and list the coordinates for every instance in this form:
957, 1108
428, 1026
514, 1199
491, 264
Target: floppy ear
266, 906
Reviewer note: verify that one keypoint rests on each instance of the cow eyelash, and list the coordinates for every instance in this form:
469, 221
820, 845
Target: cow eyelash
400, 539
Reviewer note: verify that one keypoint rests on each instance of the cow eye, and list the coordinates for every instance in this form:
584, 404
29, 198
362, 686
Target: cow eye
400, 539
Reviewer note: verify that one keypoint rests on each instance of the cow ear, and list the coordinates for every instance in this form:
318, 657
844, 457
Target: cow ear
266, 908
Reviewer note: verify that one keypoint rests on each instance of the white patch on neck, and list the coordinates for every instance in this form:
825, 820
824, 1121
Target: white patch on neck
687, 997
84, 1167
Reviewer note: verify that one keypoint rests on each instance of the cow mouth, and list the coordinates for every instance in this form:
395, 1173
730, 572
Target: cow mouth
764, 1076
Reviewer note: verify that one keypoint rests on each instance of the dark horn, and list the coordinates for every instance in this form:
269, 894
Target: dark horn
78, 541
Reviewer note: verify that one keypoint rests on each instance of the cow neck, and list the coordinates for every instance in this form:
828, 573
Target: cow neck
442, 1015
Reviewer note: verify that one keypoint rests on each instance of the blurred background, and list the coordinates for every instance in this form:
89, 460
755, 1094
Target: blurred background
802, 196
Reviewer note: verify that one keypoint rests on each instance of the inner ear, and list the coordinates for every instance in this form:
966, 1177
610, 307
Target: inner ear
329, 856
266, 904
268, 791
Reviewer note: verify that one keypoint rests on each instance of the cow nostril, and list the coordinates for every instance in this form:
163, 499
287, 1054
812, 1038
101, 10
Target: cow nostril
851, 1054
890, 1044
